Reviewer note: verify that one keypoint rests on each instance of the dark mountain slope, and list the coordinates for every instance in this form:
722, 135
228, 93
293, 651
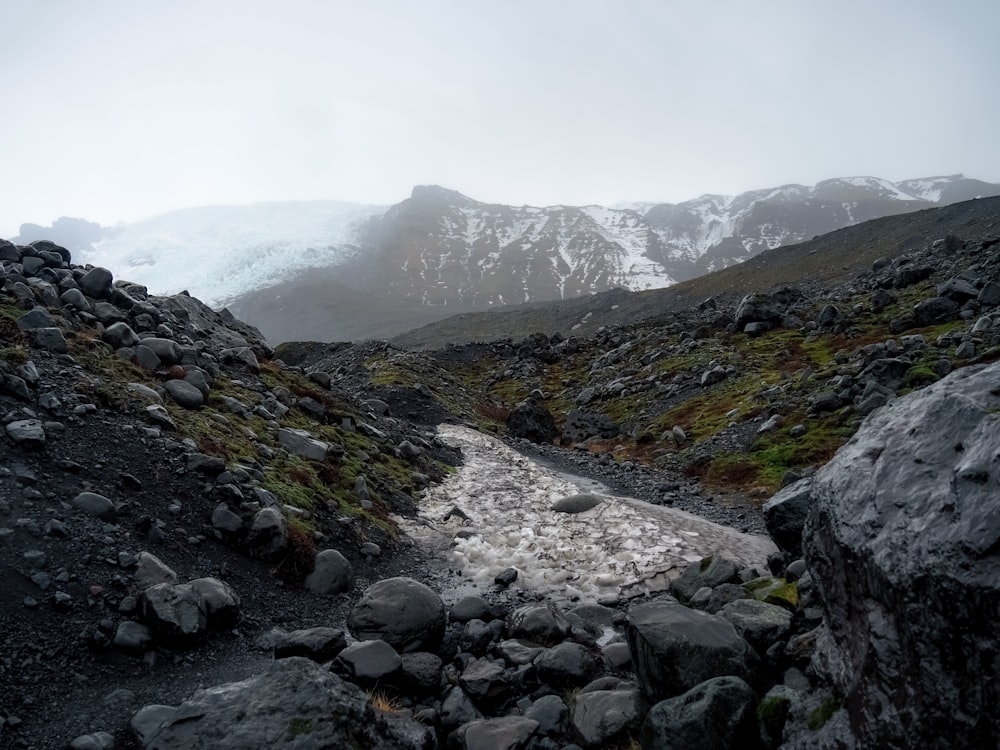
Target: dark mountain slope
825, 260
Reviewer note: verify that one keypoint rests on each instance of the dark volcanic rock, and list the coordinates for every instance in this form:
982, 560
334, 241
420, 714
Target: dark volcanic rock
902, 544
306, 706
675, 648
401, 611
532, 420
716, 715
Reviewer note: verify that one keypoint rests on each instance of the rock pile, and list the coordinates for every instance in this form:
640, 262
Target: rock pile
532, 677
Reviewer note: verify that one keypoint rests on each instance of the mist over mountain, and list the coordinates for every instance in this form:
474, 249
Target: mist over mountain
330, 270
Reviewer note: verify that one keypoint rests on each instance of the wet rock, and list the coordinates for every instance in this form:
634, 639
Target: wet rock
95, 741
421, 671
401, 611
908, 507
504, 733
485, 682
675, 648
551, 713
717, 714
577, 503
710, 571
37, 317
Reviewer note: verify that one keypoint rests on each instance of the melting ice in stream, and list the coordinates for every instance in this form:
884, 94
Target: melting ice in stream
620, 548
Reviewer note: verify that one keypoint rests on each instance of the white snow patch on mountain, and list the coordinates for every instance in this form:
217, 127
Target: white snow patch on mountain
219, 252
621, 547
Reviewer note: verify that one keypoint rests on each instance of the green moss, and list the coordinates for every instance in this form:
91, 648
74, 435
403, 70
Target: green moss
773, 710
14, 354
786, 596
822, 713
920, 375
298, 727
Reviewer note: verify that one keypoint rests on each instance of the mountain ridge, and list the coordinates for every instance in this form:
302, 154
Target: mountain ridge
440, 252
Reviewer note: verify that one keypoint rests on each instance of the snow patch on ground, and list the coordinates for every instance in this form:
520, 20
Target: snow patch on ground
621, 548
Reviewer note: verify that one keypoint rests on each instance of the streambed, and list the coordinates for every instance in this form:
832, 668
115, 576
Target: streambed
496, 512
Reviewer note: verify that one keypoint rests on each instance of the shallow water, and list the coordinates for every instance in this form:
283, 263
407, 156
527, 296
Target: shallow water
619, 549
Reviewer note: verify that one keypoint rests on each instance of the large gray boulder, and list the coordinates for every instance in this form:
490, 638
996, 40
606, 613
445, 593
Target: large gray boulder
295, 703
604, 716
718, 714
403, 612
675, 648
902, 541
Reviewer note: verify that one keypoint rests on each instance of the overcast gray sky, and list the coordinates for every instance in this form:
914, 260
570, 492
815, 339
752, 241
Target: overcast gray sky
116, 110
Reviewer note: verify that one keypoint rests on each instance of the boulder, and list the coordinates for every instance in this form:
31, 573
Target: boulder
332, 573
760, 623
577, 503
295, 702
95, 505
934, 310
503, 733
581, 425
785, 515
302, 444
566, 664
119, 335
532, 420
184, 394
902, 542
96, 283
268, 535
401, 611
718, 714
174, 613
676, 648
28, 433
368, 661
602, 717
319, 644
541, 623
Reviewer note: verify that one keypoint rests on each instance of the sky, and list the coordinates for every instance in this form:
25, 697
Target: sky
118, 110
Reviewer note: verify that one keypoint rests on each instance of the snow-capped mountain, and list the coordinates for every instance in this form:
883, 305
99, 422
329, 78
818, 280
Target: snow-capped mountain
329, 270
